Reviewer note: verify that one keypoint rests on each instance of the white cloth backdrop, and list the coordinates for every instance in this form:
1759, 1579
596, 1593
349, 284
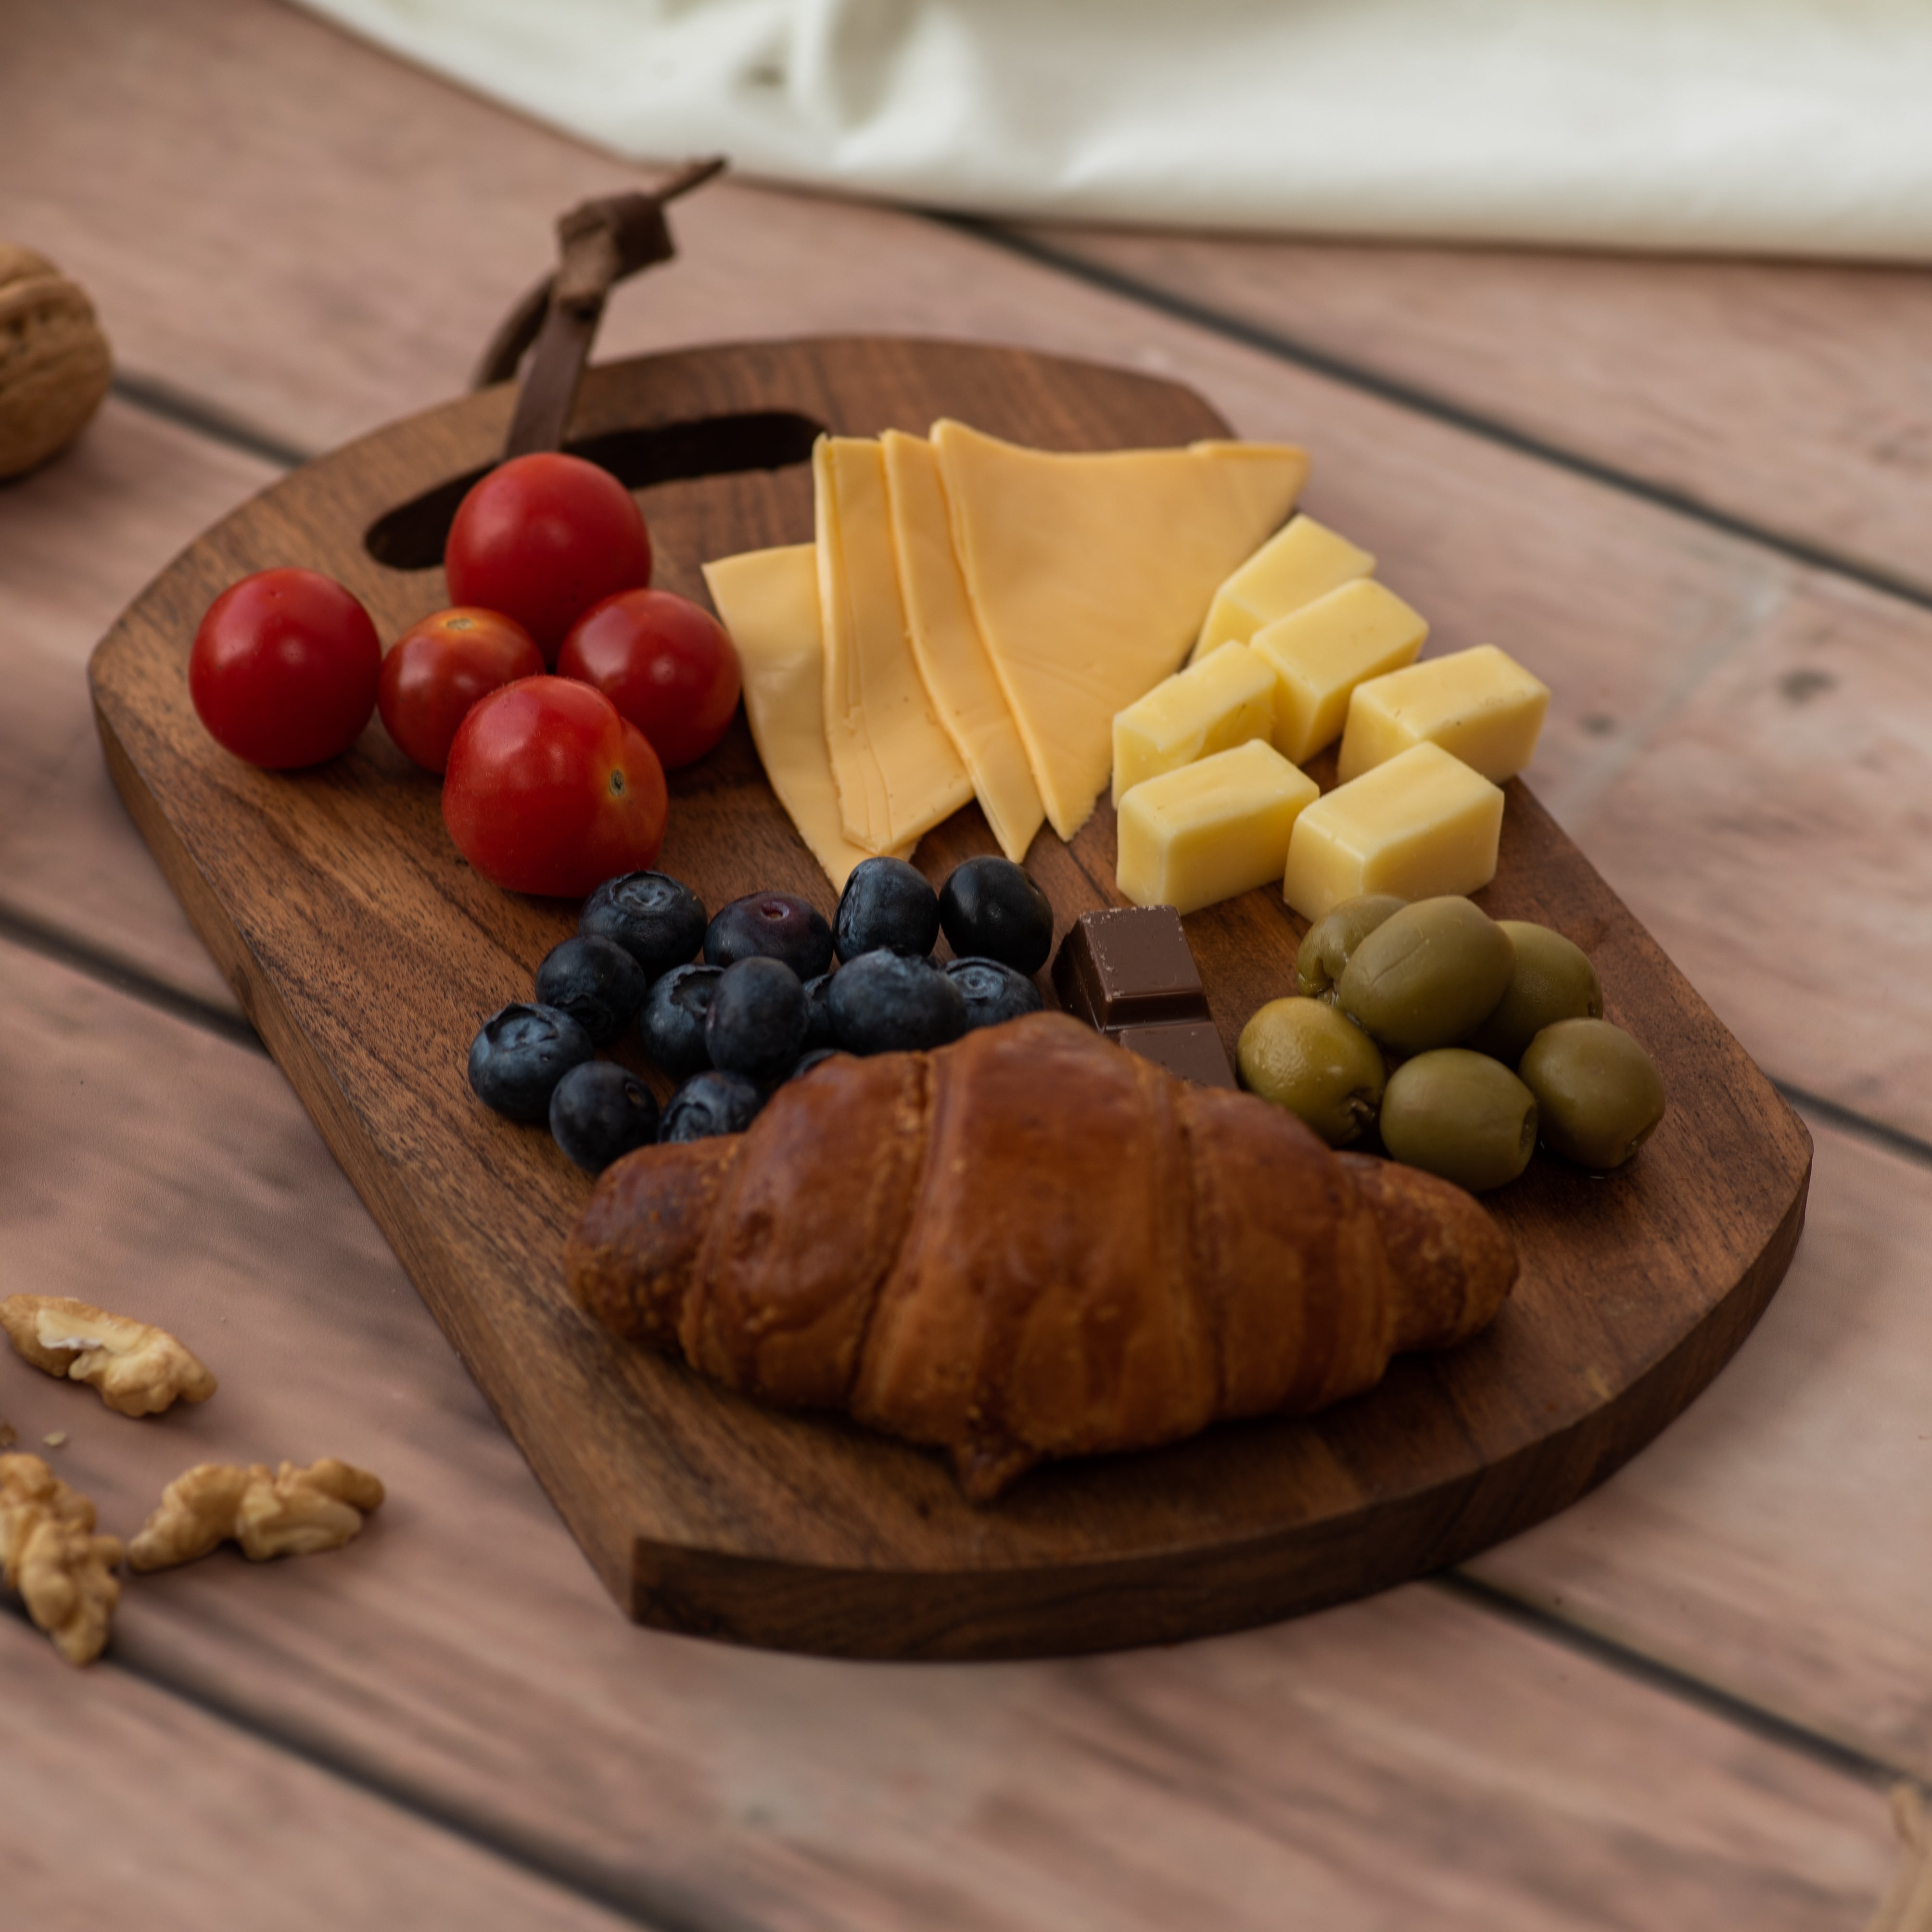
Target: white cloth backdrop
1785, 126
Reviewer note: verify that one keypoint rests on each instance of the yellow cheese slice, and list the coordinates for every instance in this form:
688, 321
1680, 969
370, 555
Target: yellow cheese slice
897, 773
1090, 575
948, 648
768, 601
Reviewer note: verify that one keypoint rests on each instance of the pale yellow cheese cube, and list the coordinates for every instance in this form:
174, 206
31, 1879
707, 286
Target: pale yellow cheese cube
1304, 561
1222, 701
1321, 653
1422, 825
1480, 704
1210, 829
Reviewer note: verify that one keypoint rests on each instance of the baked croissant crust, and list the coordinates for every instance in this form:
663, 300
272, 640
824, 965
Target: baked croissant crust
1031, 1243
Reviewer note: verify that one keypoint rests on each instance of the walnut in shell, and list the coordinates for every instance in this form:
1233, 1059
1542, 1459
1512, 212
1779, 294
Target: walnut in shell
55, 363
51, 1556
140, 1370
293, 1513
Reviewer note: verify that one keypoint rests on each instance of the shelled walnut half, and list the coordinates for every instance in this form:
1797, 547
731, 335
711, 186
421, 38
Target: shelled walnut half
138, 1370
55, 363
293, 1513
51, 1555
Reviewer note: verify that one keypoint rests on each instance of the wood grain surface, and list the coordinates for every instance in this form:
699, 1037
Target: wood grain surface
132, 1805
1793, 396
1414, 1758
366, 954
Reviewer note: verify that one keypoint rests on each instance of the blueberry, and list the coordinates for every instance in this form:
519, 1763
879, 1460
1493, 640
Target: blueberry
674, 1020
711, 1103
885, 1003
807, 1061
886, 903
758, 1020
521, 1053
596, 982
770, 926
600, 1111
991, 910
992, 992
818, 1013
657, 919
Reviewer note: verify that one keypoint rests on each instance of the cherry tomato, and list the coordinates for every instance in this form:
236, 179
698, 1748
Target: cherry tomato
436, 670
550, 790
284, 669
667, 665
543, 538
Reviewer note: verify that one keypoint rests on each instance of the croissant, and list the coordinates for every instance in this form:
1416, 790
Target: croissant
1032, 1243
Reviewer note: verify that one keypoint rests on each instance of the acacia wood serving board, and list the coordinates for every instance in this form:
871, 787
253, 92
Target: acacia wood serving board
366, 953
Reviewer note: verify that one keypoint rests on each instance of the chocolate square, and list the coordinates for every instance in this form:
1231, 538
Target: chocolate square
1129, 966
1191, 1049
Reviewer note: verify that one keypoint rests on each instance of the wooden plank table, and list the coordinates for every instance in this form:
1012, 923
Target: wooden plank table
1688, 494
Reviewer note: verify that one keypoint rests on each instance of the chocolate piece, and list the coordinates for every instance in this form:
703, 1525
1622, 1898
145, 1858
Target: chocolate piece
1129, 973
1191, 1049
1128, 967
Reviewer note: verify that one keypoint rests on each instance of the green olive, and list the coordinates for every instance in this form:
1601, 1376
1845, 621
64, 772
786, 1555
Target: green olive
1461, 1115
1327, 944
1552, 980
1303, 1055
1600, 1094
1428, 976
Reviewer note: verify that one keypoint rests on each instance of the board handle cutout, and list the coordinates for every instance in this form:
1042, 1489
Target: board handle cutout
412, 535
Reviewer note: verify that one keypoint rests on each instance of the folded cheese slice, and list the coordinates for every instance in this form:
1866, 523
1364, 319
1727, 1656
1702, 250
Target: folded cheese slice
950, 652
1090, 575
897, 773
768, 601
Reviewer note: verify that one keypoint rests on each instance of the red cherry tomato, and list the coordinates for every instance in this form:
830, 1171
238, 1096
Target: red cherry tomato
550, 790
667, 665
284, 669
543, 538
436, 670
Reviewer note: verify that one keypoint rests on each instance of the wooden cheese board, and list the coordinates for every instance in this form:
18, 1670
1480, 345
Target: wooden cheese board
366, 953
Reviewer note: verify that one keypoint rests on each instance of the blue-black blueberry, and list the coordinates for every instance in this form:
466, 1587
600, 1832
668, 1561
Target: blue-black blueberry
991, 909
659, 921
886, 903
710, 1103
595, 982
992, 992
673, 1025
884, 1003
758, 1020
817, 1000
770, 926
599, 1112
521, 1054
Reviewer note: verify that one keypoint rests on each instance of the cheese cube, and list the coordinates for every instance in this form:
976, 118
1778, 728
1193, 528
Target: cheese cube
1210, 829
1420, 825
1320, 655
1295, 566
1221, 702
1480, 704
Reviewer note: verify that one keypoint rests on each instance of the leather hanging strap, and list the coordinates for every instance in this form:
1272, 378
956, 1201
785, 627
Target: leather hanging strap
599, 243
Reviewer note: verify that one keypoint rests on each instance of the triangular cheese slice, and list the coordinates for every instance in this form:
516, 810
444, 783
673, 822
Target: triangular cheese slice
950, 652
1090, 575
897, 773
768, 601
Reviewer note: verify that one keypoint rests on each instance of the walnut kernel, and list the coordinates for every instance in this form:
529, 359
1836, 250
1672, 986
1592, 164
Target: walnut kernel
51, 1556
293, 1513
140, 1370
